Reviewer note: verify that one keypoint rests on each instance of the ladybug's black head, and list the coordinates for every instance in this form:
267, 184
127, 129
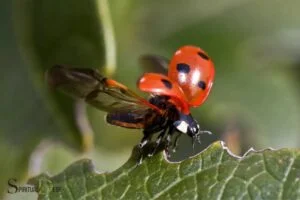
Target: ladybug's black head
187, 125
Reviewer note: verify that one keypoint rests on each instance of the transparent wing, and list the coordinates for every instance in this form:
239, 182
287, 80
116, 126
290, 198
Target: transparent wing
154, 63
97, 90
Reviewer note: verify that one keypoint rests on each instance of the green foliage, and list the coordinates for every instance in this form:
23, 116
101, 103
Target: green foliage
212, 174
256, 88
49, 34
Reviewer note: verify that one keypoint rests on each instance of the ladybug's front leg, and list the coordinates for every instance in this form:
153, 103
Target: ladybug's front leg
147, 138
169, 140
175, 144
157, 142
144, 141
148, 132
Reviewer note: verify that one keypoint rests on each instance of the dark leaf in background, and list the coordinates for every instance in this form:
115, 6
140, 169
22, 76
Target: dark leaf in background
48, 32
60, 32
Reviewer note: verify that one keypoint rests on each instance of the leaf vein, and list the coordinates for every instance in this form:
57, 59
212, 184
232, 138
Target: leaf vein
196, 188
178, 180
268, 170
286, 174
125, 191
221, 193
84, 179
219, 163
108, 183
67, 186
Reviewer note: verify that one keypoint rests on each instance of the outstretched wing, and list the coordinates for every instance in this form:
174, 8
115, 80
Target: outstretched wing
154, 63
101, 92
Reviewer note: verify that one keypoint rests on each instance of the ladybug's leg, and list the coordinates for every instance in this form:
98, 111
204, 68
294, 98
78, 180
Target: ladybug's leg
148, 134
145, 140
175, 144
157, 142
194, 139
169, 140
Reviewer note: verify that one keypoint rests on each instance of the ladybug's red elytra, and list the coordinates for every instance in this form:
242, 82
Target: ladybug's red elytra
191, 70
194, 71
183, 83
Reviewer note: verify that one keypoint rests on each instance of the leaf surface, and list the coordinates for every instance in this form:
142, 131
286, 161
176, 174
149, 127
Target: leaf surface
212, 174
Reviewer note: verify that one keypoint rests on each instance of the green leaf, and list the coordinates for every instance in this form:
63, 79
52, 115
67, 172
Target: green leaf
213, 174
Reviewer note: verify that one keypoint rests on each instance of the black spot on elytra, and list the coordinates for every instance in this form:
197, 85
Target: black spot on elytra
203, 55
183, 68
167, 83
202, 85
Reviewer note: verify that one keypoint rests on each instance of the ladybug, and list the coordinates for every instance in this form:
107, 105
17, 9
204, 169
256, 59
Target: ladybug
182, 83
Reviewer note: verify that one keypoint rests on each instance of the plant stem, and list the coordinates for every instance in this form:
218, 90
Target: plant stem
109, 37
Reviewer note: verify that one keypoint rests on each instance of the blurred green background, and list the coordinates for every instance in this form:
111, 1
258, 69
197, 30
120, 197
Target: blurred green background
255, 101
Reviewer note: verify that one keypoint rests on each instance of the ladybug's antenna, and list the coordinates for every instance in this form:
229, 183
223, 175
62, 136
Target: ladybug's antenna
208, 132
197, 138
193, 142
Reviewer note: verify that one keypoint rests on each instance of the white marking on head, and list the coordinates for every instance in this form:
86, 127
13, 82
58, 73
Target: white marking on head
183, 127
